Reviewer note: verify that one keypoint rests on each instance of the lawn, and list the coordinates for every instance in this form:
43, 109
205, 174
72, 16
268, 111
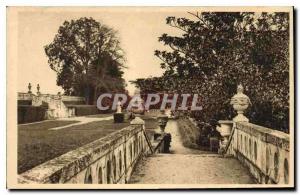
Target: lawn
37, 144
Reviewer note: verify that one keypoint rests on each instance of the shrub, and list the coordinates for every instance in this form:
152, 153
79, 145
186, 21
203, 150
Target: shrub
74, 102
24, 102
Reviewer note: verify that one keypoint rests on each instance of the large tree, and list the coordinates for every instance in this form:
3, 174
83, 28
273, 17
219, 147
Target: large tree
87, 57
219, 50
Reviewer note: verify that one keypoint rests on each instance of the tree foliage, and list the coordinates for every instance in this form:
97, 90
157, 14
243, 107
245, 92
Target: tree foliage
87, 57
219, 50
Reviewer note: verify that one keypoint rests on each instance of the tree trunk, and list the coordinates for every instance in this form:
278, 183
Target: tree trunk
95, 95
87, 94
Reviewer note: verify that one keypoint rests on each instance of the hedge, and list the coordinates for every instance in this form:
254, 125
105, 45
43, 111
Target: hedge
83, 110
24, 102
74, 102
29, 114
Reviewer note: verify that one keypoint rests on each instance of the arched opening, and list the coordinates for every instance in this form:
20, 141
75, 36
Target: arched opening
120, 162
108, 172
125, 165
100, 176
241, 144
114, 164
250, 147
286, 171
134, 148
245, 143
141, 144
255, 150
88, 176
130, 152
276, 164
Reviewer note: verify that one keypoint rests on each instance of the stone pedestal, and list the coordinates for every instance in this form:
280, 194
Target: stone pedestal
119, 117
225, 131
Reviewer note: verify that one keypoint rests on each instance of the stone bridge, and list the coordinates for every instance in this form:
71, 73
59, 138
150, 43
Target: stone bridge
139, 154
253, 155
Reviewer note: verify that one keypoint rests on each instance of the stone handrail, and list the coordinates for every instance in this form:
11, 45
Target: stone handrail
110, 159
264, 151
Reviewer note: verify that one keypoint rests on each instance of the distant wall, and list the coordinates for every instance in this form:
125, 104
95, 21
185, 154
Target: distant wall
264, 151
108, 160
57, 107
73, 99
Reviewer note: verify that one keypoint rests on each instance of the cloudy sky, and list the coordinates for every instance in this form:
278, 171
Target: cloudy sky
139, 29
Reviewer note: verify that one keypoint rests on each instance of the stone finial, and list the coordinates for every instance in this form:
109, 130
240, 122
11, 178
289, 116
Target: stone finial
29, 88
38, 89
240, 103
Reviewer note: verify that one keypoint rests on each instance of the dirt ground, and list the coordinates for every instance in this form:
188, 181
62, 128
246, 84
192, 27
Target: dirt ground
189, 166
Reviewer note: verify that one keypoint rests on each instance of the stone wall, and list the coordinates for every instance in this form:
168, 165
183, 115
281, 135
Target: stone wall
264, 151
56, 104
110, 159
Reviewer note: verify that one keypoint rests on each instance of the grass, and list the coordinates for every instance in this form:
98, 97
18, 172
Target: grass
38, 144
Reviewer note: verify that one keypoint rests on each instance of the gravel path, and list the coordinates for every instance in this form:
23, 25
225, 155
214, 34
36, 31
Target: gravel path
189, 166
82, 120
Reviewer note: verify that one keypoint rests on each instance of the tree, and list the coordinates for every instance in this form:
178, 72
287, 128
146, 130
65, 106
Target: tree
87, 57
219, 50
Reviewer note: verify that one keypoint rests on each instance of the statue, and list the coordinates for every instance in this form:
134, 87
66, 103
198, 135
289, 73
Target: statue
119, 107
29, 88
240, 103
38, 89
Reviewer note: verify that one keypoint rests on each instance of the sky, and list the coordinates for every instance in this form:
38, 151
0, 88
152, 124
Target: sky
138, 30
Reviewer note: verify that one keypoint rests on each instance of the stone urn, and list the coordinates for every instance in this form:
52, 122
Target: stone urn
225, 131
240, 103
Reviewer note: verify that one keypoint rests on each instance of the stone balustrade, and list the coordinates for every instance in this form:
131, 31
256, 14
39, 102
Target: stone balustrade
56, 105
264, 151
25, 96
108, 160
29, 96
73, 98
